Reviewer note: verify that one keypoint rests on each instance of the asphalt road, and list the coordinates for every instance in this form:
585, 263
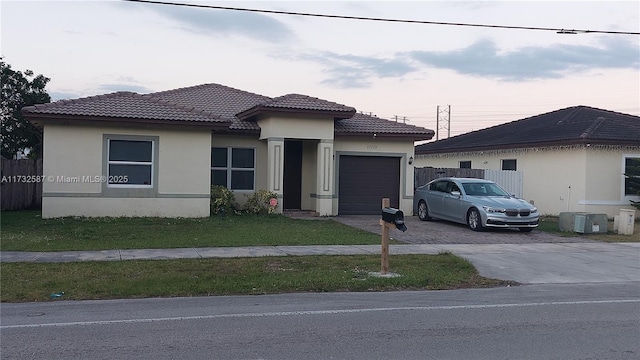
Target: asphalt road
567, 321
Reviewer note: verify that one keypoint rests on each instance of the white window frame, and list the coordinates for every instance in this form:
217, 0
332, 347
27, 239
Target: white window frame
624, 196
230, 169
129, 190
502, 164
140, 163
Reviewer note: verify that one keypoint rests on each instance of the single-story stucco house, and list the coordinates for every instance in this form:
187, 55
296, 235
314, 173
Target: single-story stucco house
571, 159
128, 154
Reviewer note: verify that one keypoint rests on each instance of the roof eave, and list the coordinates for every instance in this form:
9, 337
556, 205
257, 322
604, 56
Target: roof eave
266, 111
239, 132
376, 135
530, 145
39, 119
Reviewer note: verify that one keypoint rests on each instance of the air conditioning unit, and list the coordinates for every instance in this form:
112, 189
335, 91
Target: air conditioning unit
590, 223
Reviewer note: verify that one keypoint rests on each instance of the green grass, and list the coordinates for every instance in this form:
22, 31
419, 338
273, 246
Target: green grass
27, 231
204, 277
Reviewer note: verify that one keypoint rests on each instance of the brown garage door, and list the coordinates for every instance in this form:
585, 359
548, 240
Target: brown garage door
364, 180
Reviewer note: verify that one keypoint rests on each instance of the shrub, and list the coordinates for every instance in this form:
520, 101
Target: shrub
222, 201
261, 202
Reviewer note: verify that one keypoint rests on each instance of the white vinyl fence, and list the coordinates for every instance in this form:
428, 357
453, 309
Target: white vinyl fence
508, 179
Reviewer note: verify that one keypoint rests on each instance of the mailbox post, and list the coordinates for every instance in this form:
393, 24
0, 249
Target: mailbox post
384, 266
391, 218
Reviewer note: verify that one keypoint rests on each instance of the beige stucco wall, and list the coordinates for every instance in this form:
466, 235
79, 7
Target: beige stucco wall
296, 128
584, 179
73, 154
68, 153
125, 207
404, 149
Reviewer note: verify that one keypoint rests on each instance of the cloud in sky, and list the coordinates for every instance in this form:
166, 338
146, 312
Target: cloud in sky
484, 59
96, 47
124, 87
352, 71
218, 22
60, 95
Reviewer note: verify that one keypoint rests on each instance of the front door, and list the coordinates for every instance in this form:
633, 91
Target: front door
292, 179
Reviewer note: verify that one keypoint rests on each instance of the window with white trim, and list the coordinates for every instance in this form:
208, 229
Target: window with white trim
465, 164
233, 168
130, 163
509, 164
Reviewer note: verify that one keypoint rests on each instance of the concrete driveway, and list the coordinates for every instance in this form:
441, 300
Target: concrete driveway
445, 232
535, 257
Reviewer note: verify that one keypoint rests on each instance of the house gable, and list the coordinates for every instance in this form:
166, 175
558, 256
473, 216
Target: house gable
579, 125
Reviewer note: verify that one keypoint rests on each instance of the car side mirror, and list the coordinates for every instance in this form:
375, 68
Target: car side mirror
456, 193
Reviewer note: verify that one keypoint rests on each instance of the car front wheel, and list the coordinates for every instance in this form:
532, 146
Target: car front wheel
423, 211
474, 220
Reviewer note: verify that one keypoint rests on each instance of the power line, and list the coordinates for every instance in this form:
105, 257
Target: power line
557, 30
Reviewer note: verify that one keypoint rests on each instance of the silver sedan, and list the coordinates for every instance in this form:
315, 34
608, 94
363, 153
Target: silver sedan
478, 203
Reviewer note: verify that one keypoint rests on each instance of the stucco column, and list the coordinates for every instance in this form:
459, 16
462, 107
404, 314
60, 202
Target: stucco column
325, 184
275, 167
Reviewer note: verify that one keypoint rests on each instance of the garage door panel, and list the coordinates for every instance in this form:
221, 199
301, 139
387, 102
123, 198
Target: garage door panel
364, 181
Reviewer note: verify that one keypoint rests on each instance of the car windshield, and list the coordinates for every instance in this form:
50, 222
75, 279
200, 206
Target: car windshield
483, 189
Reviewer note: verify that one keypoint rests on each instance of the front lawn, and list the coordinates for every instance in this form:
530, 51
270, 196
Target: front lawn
263, 275
27, 231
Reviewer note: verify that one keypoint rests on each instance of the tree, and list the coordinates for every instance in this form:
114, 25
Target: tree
20, 90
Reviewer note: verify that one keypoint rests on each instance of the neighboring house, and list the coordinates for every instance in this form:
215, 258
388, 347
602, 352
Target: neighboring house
127, 154
572, 159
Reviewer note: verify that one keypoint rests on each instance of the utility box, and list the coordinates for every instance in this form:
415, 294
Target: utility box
566, 220
590, 223
626, 221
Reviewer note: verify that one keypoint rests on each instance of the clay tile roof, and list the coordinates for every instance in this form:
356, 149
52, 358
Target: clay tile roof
296, 103
229, 109
222, 100
126, 105
573, 125
366, 124
218, 99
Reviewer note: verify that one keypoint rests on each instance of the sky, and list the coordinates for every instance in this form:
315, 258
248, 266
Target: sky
469, 77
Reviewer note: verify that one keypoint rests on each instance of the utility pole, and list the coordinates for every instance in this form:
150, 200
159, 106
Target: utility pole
404, 119
445, 116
